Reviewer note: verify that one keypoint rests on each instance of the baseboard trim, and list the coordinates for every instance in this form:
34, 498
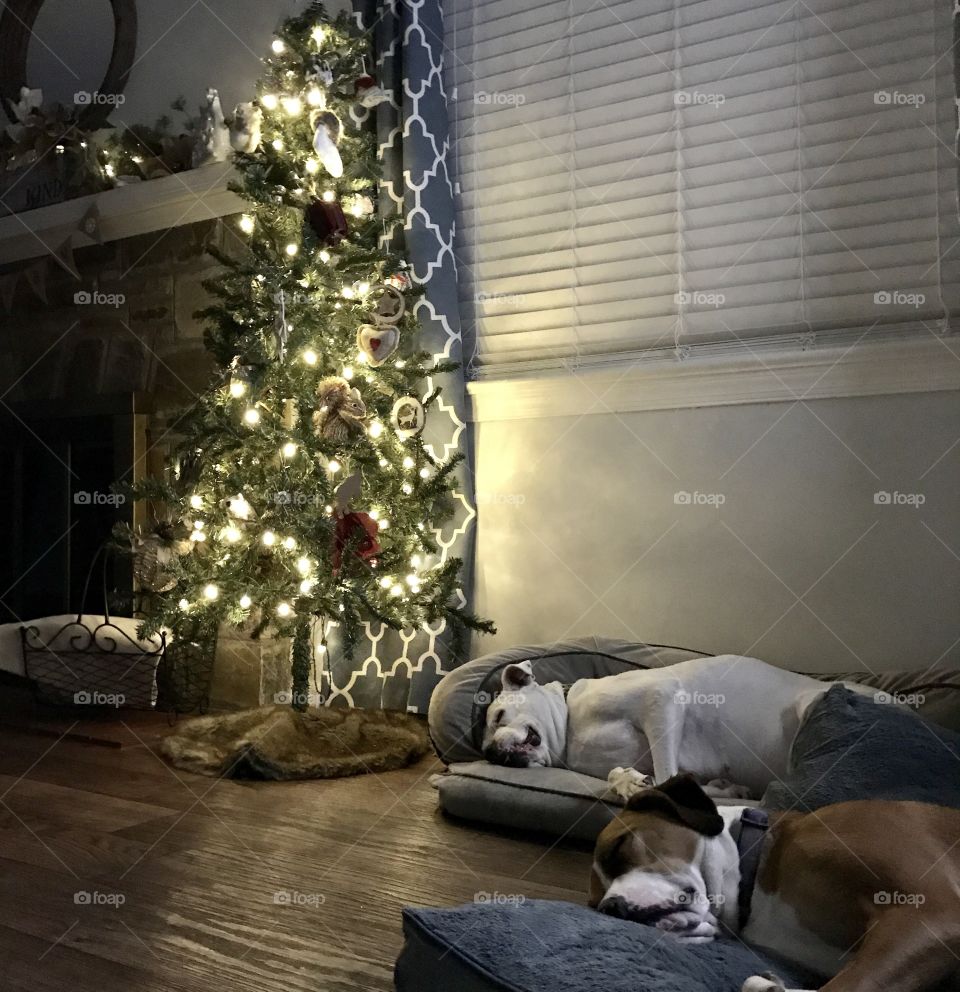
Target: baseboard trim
758, 372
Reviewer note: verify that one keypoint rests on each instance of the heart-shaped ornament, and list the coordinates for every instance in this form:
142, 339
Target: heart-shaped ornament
377, 343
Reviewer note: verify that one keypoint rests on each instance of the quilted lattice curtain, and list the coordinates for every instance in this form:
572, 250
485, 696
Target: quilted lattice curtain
391, 670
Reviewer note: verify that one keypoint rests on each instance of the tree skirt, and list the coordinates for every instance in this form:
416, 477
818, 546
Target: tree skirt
277, 742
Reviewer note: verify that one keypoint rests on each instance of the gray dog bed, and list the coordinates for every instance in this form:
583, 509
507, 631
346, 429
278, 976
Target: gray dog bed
561, 802
542, 946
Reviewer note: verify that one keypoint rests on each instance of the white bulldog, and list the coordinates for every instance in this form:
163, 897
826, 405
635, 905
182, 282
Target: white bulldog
729, 721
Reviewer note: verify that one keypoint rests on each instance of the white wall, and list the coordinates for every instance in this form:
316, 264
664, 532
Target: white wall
579, 532
184, 46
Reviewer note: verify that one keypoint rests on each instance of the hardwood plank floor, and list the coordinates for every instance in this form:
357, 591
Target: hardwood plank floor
182, 871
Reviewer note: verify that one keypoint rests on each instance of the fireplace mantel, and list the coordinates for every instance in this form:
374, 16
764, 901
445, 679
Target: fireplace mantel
184, 198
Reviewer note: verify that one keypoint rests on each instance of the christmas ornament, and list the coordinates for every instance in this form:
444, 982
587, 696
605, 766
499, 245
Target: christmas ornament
408, 416
154, 553
289, 413
390, 304
213, 137
377, 343
360, 205
281, 329
327, 221
239, 508
241, 377
348, 491
358, 532
246, 128
399, 280
340, 409
325, 140
368, 93
318, 71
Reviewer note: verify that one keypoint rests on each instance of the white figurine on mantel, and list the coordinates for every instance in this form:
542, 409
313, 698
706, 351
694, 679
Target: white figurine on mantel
213, 137
30, 101
246, 128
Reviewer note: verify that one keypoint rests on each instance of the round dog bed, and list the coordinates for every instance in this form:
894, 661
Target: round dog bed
562, 802
458, 707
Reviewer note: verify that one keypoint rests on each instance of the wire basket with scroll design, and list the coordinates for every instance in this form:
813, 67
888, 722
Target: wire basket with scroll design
92, 664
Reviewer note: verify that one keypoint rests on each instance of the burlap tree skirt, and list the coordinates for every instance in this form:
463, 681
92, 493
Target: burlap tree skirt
277, 742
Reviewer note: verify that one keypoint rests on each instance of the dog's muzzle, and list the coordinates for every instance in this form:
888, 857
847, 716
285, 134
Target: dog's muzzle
649, 916
516, 755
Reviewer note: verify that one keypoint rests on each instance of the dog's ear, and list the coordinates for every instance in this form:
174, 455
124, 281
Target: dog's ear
681, 799
517, 676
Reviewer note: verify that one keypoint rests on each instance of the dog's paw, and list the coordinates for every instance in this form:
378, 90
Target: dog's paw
763, 983
723, 788
627, 782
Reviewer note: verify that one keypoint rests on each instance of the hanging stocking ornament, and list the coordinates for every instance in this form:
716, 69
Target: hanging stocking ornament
367, 92
377, 343
325, 141
356, 533
327, 221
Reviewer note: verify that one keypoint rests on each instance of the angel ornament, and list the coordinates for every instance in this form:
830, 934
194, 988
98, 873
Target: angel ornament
340, 410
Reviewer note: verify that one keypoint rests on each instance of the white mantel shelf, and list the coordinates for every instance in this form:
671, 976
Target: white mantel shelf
154, 205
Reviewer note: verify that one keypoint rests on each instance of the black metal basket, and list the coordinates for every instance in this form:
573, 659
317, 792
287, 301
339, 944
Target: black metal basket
89, 665
183, 679
95, 664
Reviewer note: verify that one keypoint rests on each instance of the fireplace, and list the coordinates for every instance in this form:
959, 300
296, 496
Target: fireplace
56, 507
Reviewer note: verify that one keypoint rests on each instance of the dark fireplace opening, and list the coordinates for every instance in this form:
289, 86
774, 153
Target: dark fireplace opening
56, 504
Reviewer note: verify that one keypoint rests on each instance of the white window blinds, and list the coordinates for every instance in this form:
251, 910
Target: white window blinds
645, 174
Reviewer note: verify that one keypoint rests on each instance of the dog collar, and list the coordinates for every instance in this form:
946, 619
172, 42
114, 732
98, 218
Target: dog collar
754, 824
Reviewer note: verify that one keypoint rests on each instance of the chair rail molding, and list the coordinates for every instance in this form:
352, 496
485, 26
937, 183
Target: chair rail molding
772, 370
154, 205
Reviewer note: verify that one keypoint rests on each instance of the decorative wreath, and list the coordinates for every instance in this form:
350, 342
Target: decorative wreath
16, 30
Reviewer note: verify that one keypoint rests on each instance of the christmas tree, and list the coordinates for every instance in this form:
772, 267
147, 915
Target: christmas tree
301, 489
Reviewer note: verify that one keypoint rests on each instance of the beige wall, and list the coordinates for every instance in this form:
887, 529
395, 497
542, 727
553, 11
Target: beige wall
579, 532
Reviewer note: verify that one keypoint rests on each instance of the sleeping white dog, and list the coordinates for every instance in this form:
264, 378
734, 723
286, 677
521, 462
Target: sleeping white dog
729, 721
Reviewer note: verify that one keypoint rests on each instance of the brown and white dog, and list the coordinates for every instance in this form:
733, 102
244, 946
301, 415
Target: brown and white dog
866, 894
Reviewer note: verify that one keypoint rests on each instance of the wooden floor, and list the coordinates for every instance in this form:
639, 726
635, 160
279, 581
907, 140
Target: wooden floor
198, 863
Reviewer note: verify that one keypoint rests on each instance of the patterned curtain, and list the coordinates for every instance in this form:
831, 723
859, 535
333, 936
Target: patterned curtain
390, 670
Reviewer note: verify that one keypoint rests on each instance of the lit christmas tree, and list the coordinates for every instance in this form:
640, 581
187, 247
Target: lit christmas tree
302, 490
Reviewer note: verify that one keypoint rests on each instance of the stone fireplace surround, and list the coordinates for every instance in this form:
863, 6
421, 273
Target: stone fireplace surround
136, 347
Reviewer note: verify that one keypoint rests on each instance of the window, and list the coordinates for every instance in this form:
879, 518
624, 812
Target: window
669, 173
